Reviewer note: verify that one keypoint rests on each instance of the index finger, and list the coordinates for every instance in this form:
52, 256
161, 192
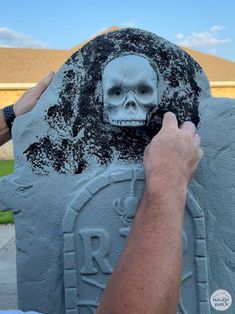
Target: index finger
170, 120
189, 127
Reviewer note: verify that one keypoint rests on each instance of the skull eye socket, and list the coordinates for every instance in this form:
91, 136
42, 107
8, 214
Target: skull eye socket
144, 90
115, 92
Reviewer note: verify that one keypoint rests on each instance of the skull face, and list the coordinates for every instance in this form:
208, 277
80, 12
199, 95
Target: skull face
130, 91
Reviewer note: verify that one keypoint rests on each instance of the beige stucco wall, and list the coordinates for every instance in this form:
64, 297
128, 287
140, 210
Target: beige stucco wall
11, 95
8, 97
223, 91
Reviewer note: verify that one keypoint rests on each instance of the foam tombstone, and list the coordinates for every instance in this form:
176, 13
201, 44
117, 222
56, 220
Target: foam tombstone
79, 177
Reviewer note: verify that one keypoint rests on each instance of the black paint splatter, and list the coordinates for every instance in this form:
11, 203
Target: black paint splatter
75, 111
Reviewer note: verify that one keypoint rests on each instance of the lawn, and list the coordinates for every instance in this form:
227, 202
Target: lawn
6, 167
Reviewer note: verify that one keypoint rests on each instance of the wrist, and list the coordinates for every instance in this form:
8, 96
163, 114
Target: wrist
166, 192
160, 183
17, 110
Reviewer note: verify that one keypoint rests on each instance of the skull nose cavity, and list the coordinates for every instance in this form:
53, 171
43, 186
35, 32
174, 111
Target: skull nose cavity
130, 104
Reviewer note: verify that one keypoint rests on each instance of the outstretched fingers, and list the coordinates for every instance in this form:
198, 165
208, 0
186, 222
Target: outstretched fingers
43, 84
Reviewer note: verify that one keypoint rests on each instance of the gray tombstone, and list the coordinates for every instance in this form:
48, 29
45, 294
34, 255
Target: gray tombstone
79, 177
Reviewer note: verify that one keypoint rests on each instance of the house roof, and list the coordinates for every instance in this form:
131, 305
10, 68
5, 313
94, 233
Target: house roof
217, 69
21, 65
25, 65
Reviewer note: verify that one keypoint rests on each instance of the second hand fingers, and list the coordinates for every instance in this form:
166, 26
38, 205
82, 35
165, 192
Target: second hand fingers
188, 127
197, 139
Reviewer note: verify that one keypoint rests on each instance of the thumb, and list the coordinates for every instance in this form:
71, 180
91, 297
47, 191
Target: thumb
43, 84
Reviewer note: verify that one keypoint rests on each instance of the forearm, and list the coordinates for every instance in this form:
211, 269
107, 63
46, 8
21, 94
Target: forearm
147, 277
4, 131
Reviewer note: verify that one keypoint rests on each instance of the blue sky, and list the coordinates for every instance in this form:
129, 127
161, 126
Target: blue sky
203, 25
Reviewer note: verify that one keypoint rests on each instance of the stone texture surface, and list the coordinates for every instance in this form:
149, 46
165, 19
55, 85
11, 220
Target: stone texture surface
8, 290
68, 142
78, 180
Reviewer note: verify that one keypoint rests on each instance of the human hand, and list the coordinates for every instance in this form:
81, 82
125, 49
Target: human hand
173, 154
29, 99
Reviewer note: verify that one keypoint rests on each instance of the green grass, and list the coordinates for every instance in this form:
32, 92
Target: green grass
6, 217
6, 167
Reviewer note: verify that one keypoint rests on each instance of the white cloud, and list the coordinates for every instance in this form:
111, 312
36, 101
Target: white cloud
208, 39
128, 24
11, 38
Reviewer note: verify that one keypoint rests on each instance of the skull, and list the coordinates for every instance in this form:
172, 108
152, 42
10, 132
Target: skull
130, 91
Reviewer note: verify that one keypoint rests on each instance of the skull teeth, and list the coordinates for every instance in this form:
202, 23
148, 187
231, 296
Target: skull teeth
128, 122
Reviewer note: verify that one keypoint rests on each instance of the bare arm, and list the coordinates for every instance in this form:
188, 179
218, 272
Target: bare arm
5, 135
147, 277
23, 105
